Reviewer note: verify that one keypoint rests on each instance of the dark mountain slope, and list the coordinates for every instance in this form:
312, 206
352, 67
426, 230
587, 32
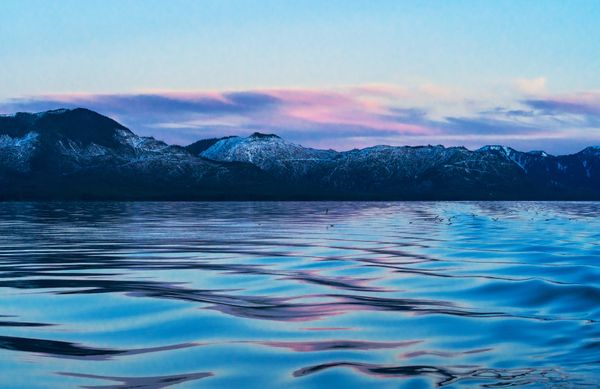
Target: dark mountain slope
424, 172
80, 154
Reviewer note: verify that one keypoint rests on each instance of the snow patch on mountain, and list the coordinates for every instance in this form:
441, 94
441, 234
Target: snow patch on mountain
77, 151
16, 152
521, 159
25, 141
267, 151
139, 143
539, 153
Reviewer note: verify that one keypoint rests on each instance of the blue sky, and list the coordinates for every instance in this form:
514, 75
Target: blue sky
477, 72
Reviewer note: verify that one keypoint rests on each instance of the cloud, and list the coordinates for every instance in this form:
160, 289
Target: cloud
345, 117
408, 115
436, 90
582, 104
227, 103
531, 86
484, 125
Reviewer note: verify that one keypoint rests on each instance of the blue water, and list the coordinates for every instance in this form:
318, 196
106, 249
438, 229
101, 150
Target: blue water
300, 295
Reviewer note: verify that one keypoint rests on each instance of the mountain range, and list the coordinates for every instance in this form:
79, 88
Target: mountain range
79, 154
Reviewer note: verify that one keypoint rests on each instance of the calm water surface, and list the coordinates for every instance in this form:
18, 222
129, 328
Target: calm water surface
300, 295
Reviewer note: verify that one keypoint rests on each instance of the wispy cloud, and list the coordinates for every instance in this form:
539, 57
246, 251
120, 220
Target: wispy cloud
531, 86
584, 104
352, 116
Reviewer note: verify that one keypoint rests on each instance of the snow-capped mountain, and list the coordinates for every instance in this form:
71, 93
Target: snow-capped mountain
74, 154
82, 153
416, 172
556, 173
77, 137
270, 153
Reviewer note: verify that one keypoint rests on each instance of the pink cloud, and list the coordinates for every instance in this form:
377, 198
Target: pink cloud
353, 106
346, 117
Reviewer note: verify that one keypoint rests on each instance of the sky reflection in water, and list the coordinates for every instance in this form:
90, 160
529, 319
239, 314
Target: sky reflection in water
331, 294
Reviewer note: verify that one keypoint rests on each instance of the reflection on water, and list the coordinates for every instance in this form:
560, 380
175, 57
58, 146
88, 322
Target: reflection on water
415, 295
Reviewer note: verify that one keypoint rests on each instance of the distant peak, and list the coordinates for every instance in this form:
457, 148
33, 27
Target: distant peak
204, 144
591, 149
58, 111
261, 135
540, 153
53, 112
503, 149
65, 111
60, 114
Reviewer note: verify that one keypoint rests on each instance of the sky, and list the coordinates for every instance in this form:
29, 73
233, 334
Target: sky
331, 74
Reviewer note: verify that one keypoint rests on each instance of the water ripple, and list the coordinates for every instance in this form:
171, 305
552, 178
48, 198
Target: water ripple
350, 294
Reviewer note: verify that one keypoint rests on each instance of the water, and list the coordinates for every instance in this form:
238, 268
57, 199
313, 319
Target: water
299, 295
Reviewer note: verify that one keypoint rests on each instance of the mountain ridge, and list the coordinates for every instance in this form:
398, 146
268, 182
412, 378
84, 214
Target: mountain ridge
81, 154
